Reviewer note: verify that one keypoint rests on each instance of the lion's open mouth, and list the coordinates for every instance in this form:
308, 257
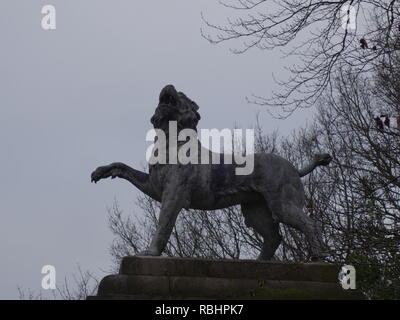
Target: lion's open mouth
169, 95
175, 106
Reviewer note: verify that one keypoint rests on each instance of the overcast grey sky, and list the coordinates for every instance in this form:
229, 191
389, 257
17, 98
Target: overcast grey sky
81, 96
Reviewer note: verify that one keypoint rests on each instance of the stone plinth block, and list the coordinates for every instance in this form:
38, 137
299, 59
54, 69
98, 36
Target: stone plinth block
186, 278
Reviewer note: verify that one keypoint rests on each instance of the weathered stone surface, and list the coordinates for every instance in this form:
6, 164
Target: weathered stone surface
308, 290
251, 269
177, 278
134, 285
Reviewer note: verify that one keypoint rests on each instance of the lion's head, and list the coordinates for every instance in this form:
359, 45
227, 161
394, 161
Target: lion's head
175, 106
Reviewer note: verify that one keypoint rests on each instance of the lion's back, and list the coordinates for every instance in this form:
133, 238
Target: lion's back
272, 173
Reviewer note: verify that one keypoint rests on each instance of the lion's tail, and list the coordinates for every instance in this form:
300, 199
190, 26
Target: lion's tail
320, 159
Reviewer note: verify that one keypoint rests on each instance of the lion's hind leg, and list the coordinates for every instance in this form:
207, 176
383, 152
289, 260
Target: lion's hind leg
290, 212
259, 217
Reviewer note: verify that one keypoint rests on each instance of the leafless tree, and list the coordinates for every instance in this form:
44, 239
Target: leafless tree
202, 234
318, 34
358, 201
82, 285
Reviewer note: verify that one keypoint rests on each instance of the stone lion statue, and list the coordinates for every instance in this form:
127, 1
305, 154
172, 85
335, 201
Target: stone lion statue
273, 193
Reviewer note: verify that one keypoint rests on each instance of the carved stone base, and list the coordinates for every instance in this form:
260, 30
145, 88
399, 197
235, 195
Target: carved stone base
185, 278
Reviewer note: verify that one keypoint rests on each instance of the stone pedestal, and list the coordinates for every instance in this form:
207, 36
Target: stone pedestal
185, 278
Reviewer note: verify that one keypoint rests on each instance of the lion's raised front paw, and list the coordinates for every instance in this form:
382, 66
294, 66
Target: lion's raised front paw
100, 173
